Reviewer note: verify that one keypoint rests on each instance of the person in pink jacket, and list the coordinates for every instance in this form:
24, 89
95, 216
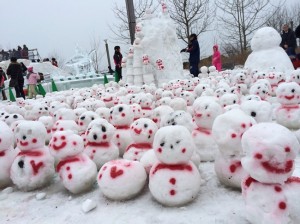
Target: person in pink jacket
216, 58
32, 79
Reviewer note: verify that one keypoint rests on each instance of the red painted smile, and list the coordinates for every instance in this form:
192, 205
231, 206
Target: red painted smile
62, 145
23, 143
274, 169
137, 131
289, 97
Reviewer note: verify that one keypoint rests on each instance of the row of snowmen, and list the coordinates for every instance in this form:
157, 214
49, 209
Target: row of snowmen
164, 132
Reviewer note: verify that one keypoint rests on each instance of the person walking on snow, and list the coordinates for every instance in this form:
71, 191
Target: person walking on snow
216, 58
118, 60
32, 79
194, 50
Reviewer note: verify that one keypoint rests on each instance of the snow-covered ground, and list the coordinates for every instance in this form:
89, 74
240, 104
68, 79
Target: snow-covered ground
215, 204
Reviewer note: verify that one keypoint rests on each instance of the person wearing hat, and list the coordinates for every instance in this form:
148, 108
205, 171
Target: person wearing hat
32, 80
118, 60
194, 50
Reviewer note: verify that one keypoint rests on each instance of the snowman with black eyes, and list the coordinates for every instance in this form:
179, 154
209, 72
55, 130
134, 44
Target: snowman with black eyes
142, 132
288, 113
121, 117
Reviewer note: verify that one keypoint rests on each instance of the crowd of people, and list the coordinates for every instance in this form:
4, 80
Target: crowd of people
19, 53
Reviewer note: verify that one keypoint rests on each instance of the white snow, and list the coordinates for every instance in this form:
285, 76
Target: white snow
88, 205
41, 196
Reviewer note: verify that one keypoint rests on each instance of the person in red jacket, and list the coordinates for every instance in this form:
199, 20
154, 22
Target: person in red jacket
216, 58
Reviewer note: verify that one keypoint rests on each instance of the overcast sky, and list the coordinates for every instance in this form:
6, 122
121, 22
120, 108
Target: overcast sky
57, 25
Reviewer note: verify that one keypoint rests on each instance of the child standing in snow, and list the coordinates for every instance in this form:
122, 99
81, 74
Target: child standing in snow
216, 58
32, 79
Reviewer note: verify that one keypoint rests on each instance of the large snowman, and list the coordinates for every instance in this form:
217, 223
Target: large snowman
266, 52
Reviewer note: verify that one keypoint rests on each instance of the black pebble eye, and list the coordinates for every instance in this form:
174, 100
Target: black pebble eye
82, 118
293, 90
46, 108
177, 142
103, 129
15, 116
234, 101
21, 164
253, 114
24, 137
110, 112
120, 109
6, 117
145, 125
41, 108
162, 144
92, 118
95, 136
206, 107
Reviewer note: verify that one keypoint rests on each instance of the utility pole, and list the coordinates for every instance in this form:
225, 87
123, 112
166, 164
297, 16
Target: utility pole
131, 19
107, 53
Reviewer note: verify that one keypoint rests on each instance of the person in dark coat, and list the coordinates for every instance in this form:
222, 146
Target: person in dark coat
21, 79
2, 79
14, 71
194, 50
297, 32
118, 60
24, 52
288, 40
19, 53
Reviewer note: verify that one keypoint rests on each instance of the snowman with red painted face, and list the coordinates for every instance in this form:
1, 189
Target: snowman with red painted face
174, 180
121, 117
288, 114
270, 150
34, 166
142, 132
7, 154
99, 146
228, 129
76, 170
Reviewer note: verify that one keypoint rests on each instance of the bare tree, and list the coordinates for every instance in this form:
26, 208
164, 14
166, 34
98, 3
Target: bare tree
95, 53
241, 18
191, 16
121, 28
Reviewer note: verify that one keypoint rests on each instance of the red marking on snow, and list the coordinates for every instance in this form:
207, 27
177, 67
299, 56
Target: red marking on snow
290, 107
208, 115
155, 120
36, 167
117, 136
172, 167
251, 124
258, 156
98, 144
233, 167
2, 153
63, 137
68, 168
94, 150
74, 143
70, 176
172, 181
289, 97
159, 150
172, 192
198, 115
278, 189
273, 169
136, 153
108, 100
66, 161
114, 173
104, 136
104, 168
282, 205
62, 145
293, 180
287, 149
121, 126
30, 153
23, 143
81, 123
243, 125
61, 129
100, 176
49, 131
123, 114
249, 181
146, 108
119, 144
34, 140
60, 118
183, 150
144, 145
150, 131
54, 139
233, 135
204, 130
137, 131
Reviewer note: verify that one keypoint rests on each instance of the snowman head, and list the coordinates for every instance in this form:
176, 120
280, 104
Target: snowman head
30, 135
85, 119
160, 112
260, 110
270, 150
99, 130
229, 99
288, 93
63, 125
121, 114
173, 145
143, 130
265, 38
65, 144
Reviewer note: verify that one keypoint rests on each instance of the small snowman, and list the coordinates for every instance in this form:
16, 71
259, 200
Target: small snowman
121, 179
99, 146
142, 132
288, 113
7, 154
48, 123
205, 111
76, 170
121, 117
33, 167
228, 129
270, 150
204, 72
174, 180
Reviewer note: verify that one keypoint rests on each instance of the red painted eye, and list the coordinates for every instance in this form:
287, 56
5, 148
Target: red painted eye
63, 137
